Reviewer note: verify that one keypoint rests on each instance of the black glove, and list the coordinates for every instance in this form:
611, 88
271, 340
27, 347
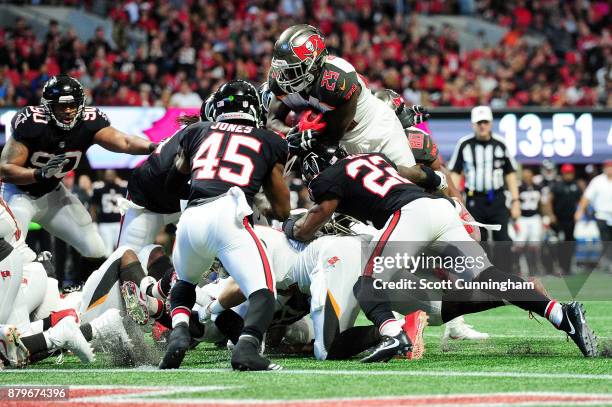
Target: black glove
301, 141
418, 114
52, 167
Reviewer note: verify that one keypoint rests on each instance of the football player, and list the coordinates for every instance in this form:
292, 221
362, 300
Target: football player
47, 142
146, 209
426, 153
227, 161
369, 188
304, 76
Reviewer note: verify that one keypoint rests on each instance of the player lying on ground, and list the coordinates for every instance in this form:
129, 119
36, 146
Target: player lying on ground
227, 162
27, 292
47, 142
369, 188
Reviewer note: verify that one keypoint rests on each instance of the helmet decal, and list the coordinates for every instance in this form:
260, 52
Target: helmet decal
312, 47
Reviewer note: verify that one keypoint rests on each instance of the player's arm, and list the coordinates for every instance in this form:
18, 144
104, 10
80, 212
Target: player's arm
305, 228
338, 120
178, 175
423, 176
452, 190
277, 113
12, 164
277, 192
114, 140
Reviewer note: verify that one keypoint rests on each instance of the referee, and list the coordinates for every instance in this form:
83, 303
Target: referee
483, 159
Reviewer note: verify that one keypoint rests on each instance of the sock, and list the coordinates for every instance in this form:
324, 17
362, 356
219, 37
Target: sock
554, 313
37, 345
183, 297
132, 272
87, 331
230, 324
391, 327
48, 343
160, 267
373, 302
352, 342
259, 314
529, 300
89, 265
155, 307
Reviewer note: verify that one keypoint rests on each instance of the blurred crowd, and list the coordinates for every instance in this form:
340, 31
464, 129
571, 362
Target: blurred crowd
174, 53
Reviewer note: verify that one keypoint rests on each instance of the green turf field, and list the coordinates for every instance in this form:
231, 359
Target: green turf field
523, 355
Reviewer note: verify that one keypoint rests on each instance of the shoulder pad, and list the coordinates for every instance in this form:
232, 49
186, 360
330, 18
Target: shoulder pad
29, 122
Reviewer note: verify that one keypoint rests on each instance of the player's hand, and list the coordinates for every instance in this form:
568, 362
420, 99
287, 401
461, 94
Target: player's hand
52, 167
443, 183
418, 114
301, 141
310, 120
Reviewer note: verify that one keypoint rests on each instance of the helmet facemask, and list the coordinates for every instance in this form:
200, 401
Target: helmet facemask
293, 77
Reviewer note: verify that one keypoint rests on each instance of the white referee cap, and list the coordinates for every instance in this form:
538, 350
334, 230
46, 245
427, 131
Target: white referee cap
481, 113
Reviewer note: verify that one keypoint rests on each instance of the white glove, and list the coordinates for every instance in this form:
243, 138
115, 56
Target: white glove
443, 184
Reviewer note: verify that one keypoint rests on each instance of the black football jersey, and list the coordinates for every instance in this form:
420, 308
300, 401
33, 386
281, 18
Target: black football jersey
32, 127
146, 180
333, 87
530, 197
105, 199
368, 187
223, 155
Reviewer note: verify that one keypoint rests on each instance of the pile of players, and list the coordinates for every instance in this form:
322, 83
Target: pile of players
306, 281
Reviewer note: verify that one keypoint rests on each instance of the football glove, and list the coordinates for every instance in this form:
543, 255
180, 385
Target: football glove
51, 168
301, 141
311, 121
418, 114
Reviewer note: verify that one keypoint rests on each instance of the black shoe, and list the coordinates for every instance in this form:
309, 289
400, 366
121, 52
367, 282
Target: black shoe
578, 329
178, 343
389, 346
246, 356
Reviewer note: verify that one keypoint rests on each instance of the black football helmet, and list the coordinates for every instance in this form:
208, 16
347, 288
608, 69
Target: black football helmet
297, 58
64, 98
315, 162
206, 110
236, 100
396, 102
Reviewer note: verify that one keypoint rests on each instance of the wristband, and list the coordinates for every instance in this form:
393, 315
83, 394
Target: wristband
288, 228
433, 180
38, 175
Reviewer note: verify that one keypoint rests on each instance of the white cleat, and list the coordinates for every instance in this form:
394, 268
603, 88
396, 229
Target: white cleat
109, 333
11, 347
67, 335
457, 329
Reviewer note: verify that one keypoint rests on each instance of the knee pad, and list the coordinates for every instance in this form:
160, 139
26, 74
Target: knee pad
91, 245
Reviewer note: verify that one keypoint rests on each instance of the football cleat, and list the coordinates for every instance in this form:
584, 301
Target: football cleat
246, 357
135, 303
11, 347
178, 343
109, 332
414, 326
457, 329
389, 347
67, 335
578, 329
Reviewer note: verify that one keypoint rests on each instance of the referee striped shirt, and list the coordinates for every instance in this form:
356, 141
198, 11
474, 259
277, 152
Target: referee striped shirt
483, 163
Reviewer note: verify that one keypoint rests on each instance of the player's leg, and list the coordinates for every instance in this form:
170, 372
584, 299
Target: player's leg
394, 143
193, 254
139, 228
109, 232
67, 218
565, 317
11, 269
24, 209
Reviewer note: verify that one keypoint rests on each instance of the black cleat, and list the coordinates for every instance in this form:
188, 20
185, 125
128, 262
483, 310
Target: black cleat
389, 347
246, 356
578, 329
178, 343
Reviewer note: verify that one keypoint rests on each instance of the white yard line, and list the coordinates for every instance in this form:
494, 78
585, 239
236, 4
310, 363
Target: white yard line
434, 373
